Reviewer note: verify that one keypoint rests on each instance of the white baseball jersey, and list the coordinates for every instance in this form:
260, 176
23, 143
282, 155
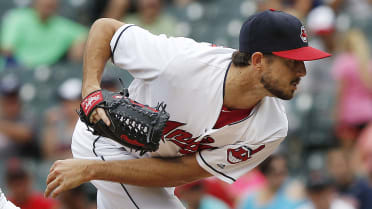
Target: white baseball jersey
189, 77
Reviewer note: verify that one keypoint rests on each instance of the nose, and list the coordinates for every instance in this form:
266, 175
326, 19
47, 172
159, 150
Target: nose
301, 70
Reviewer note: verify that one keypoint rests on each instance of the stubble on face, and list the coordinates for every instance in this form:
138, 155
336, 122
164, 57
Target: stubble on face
275, 83
274, 87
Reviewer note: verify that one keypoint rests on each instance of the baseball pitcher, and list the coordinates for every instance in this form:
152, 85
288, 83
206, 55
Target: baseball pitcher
218, 110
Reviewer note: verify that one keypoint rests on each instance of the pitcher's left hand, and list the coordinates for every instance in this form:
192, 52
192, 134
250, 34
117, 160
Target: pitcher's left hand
67, 174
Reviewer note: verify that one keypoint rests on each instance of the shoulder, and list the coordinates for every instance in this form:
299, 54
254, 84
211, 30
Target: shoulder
208, 53
273, 108
277, 103
19, 14
271, 119
132, 19
61, 21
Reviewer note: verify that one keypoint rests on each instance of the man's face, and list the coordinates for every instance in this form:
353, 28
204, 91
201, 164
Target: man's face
46, 8
277, 173
10, 106
281, 76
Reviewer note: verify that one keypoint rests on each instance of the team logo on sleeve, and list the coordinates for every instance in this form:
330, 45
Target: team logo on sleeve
241, 154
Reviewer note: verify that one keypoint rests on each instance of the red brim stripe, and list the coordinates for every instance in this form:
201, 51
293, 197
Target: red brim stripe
303, 54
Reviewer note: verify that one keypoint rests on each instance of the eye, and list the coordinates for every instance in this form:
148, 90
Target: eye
291, 63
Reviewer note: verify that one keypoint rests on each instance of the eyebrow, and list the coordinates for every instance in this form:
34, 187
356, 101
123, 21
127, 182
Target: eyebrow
292, 63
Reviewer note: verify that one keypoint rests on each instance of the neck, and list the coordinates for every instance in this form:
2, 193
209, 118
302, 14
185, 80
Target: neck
149, 17
243, 89
43, 18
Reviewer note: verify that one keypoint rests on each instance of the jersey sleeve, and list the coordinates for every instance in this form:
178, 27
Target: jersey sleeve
143, 54
230, 162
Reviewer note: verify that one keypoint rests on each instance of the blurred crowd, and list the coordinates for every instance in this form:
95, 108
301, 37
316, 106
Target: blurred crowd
325, 162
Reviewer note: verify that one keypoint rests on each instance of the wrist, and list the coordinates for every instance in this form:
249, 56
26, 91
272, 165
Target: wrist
92, 170
86, 90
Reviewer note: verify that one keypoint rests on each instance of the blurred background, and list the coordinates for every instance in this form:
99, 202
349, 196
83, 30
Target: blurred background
325, 162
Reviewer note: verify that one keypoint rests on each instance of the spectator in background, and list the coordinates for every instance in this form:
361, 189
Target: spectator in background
6, 204
321, 194
21, 193
362, 189
151, 17
353, 72
298, 8
321, 23
115, 9
38, 36
198, 195
360, 9
364, 147
60, 121
110, 83
191, 194
247, 184
182, 3
341, 172
322, 28
319, 87
279, 192
75, 199
18, 131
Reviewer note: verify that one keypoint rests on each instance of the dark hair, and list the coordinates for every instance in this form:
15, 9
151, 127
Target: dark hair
318, 180
265, 166
242, 59
15, 170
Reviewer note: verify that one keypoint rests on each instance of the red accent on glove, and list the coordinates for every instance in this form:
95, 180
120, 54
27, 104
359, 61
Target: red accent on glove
141, 105
131, 141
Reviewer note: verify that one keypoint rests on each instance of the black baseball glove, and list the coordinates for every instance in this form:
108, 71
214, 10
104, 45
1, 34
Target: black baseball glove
133, 125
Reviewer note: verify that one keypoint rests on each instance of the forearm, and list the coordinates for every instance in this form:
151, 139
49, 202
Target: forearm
18, 132
149, 172
97, 52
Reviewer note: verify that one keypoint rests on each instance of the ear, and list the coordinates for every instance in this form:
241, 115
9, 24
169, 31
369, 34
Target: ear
257, 60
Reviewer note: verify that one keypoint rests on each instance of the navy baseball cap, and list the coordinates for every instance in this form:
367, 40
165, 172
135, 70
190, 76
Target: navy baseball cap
279, 33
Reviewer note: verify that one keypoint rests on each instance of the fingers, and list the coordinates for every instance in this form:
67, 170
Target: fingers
51, 177
64, 175
103, 116
55, 188
99, 114
51, 187
94, 118
58, 190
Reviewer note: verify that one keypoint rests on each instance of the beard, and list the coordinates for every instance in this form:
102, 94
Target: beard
272, 86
